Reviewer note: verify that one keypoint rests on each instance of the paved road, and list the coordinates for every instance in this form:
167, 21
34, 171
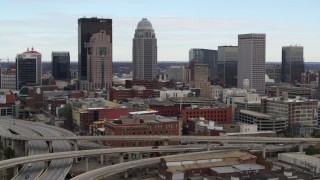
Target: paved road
57, 169
35, 147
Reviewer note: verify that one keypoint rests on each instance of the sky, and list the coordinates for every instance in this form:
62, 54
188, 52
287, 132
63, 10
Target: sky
51, 25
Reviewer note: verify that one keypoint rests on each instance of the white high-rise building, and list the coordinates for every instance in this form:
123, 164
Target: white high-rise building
144, 51
252, 60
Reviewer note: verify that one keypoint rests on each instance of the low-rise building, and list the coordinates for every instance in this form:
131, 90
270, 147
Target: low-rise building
204, 165
301, 160
200, 126
298, 110
263, 121
142, 123
121, 93
217, 112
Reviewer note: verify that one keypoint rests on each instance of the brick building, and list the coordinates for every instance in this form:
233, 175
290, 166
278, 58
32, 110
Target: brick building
202, 165
96, 114
124, 93
141, 124
218, 112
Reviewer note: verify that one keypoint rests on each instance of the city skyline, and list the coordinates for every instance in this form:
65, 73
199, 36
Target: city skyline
52, 26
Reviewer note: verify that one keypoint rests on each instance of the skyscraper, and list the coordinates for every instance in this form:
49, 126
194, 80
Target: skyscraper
144, 51
29, 70
252, 60
292, 64
61, 65
228, 65
99, 63
206, 56
199, 78
87, 27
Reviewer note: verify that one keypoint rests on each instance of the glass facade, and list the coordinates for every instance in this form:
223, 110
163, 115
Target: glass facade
61, 65
206, 56
292, 64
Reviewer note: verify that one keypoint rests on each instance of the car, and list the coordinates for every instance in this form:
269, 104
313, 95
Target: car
29, 165
26, 177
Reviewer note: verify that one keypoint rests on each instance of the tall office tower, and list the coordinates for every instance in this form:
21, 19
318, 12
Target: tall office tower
99, 64
87, 27
274, 72
28, 70
252, 60
144, 51
228, 65
292, 64
61, 65
199, 78
206, 56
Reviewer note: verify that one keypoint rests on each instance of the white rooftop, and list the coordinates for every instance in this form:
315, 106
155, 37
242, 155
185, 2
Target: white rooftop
143, 112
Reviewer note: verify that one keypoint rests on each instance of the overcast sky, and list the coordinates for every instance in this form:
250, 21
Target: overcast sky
51, 25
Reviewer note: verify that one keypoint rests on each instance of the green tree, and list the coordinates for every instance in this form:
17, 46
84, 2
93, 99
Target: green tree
67, 114
311, 150
316, 134
9, 153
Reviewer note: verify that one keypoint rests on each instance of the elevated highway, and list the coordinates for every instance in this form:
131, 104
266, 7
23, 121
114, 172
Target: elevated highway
115, 169
73, 154
239, 139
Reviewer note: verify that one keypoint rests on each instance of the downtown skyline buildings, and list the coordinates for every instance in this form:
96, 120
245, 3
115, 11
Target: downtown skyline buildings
144, 52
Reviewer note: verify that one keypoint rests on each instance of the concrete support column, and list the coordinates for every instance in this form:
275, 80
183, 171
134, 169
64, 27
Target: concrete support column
15, 170
75, 148
120, 157
26, 148
166, 142
301, 147
129, 157
12, 144
4, 143
141, 156
50, 146
106, 159
101, 159
86, 160
125, 176
75, 145
208, 146
264, 150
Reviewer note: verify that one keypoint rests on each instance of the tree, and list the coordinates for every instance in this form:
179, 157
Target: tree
9, 153
316, 134
311, 150
67, 114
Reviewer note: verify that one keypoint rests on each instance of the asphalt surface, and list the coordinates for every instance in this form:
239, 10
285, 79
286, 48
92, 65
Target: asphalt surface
57, 169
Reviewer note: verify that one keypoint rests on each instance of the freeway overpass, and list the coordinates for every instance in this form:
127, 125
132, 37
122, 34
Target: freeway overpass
73, 154
123, 167
238, 139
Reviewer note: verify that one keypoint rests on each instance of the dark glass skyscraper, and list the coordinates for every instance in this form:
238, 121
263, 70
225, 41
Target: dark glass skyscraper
61, 65
227, 65
292, 64
87, 27
206, 56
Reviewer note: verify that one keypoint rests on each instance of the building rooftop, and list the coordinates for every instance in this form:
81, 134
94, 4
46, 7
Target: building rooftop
255, 113
249, 167
302, 157
143, 112
224, 169
144, 24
